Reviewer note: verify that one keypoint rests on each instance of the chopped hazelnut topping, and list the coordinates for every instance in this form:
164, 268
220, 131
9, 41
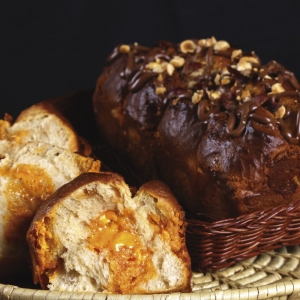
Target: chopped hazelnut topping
207, 42
280, 112
159, 77
267, 77
200, 92
236, 54
177, 61
277, 88
188, 46
170, 69
160, 90
246, 99
217, 79
221, 45
249, 59
238, 98
191, 84
246, 96
213, 95
197, 73
244, 67
124, 48
196, 98
225, 72
225, 80
155, 67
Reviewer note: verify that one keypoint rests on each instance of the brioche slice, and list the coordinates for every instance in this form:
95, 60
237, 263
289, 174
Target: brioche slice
41, 122
91, 235
27, 179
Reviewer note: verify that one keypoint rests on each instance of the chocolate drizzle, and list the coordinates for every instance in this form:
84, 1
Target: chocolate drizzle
243, 112
242, 80
204, 113
287, 133
139, 80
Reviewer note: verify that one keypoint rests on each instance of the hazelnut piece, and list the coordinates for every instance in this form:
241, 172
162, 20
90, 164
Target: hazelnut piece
225, 80
221, 46
177, 61
155, 67
170, 69
217, 79
244, 67
236, 54
277, 88
160, 90
249, 59
205, 43
280, 112
188, 46
124, 48
196, 98
246, 96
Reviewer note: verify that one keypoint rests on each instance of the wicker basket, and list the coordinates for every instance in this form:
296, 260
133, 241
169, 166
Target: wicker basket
220, 244
212, 245
271, 275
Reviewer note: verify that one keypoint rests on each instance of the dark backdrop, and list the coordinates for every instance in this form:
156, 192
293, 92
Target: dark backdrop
49, 48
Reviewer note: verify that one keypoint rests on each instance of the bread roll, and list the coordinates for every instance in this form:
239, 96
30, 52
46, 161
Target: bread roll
33, 165
207, 118
92, 236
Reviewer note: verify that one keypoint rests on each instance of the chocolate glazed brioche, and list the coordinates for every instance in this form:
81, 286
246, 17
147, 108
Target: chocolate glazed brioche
206, 118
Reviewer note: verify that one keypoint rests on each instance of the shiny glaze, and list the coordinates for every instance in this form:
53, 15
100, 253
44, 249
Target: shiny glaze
238, 113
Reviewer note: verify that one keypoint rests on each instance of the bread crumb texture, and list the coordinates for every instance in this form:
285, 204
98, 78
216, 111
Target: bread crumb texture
98, 238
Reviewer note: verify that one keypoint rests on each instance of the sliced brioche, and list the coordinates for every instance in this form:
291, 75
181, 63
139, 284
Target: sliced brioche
27, 179
91, 235
41, 122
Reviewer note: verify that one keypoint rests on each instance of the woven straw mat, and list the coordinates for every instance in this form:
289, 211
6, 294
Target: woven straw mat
271, 275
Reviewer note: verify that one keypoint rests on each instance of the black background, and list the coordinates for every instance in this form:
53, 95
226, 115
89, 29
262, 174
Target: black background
49, 48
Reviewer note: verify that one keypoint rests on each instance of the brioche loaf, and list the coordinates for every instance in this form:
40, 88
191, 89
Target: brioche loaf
33, 165
92, 236
221, 129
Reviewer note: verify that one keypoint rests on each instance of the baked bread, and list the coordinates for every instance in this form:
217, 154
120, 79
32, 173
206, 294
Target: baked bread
92, 236
35, 172
31, 168
220, 128
41, 122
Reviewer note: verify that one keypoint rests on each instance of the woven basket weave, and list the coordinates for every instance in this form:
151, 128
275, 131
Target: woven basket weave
271, 275
212, 245
220, 244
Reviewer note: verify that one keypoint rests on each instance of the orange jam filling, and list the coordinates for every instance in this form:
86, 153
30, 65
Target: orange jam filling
128, 258
28, 186
114, 232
